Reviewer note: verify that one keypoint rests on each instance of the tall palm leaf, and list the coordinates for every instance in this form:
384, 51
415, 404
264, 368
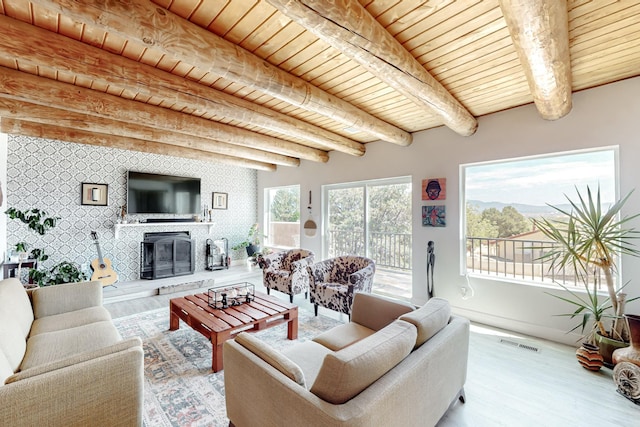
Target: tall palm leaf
590, 237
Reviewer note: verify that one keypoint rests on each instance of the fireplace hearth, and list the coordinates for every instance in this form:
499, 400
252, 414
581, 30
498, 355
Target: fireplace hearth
167, 254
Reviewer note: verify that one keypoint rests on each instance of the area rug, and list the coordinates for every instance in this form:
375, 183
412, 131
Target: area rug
180, 388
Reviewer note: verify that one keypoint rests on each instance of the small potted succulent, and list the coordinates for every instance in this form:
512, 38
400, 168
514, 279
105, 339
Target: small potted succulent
252, 243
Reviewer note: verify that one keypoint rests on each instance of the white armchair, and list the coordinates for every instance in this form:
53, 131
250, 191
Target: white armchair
334, 281
287, 271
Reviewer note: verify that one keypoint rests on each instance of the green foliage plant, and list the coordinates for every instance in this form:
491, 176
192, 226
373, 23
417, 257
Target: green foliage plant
63, 272
38, 221
253, 238
589, 239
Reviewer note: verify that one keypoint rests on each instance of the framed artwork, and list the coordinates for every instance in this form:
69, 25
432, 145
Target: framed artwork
219, 201
94, 194
434, 189
434, 216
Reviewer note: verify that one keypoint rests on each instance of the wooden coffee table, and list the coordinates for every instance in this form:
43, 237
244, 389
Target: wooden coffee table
219, 325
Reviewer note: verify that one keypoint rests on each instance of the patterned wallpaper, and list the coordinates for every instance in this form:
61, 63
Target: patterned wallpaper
47, 174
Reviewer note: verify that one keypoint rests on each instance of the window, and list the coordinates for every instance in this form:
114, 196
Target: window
372, 219
501, 199
282, 217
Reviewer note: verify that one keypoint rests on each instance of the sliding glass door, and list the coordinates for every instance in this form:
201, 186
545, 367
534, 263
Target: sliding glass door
372, 219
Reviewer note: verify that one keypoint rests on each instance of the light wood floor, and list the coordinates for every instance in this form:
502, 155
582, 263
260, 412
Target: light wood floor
508, 382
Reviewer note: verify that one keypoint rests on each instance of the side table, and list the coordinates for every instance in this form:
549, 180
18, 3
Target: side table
9, 269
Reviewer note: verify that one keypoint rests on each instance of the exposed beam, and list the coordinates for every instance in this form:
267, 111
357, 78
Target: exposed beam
540, 33
39, 130
17, 39
42, 91
159, 29
348, 27
27, 111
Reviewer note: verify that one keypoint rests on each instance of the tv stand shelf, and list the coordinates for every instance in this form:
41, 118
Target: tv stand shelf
118, 227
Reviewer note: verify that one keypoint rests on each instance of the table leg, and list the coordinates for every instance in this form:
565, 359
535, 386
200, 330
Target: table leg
292, 325
174, 320
216, 353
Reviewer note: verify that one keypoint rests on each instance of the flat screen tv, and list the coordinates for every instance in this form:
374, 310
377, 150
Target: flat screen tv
149, 193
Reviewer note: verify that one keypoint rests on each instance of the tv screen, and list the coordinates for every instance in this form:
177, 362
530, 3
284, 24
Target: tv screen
149, 193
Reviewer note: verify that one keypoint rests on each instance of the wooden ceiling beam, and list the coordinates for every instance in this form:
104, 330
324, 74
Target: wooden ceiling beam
42, 91
540, 33
157, 28
348, 27
27, 111
39, 130
18, 38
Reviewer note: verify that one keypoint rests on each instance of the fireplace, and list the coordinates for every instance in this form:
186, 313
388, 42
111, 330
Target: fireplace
167, 254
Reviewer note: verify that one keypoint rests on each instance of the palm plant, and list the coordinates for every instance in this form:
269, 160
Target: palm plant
590, 239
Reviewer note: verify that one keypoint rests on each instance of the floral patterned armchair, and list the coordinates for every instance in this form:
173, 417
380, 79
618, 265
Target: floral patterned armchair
287, 271
334, 281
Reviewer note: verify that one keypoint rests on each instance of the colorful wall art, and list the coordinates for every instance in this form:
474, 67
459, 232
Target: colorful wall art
434, 216
434, 189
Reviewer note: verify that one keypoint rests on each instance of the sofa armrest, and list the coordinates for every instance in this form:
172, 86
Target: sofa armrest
107, 390
376, 312
362, 280
52, 300
320, 271
273, 261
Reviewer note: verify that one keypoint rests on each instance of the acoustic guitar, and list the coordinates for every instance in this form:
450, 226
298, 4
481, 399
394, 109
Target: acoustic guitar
101, 267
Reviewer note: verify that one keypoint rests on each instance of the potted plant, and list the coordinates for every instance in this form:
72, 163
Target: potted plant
589, 240
252, 243
63, 272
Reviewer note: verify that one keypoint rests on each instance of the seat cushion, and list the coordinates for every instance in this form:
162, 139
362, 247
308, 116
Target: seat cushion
72, 319
51, 346
308, 355
343, 336
429, 319
349, 371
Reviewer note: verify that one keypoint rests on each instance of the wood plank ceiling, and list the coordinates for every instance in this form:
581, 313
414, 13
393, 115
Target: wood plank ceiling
266, 83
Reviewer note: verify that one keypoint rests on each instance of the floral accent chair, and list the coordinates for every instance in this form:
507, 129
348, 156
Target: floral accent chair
287, 271
334, 281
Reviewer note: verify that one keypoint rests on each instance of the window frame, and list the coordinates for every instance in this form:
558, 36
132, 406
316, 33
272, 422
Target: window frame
268, 239
463, 268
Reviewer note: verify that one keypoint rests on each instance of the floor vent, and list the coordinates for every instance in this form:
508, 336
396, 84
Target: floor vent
519, 345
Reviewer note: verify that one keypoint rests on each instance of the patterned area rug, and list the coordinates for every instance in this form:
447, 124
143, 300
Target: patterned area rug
180, 387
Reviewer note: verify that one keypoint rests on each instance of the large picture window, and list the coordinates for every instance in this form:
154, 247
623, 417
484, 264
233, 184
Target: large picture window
501, 199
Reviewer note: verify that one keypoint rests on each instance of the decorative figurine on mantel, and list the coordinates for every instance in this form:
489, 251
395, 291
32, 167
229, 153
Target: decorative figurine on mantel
122, 215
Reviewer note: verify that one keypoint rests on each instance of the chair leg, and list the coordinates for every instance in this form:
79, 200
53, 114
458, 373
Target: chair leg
268, 291
291, 298
306, 295
315, 309
462, 396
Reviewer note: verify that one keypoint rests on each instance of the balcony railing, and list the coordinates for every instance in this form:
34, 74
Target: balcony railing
391, 250
517, 259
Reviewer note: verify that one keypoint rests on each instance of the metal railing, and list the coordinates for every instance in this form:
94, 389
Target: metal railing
392, 250
517, 259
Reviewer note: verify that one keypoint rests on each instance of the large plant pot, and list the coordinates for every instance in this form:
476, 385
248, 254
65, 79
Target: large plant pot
607, 347
252, 249
631, 353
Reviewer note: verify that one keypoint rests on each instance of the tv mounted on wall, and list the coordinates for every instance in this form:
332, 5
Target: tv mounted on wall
150, 193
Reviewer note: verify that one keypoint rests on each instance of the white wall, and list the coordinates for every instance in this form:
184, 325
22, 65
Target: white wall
603, 116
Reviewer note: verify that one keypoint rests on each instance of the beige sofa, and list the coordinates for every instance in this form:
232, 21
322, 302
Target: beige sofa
390, 365
63, 362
